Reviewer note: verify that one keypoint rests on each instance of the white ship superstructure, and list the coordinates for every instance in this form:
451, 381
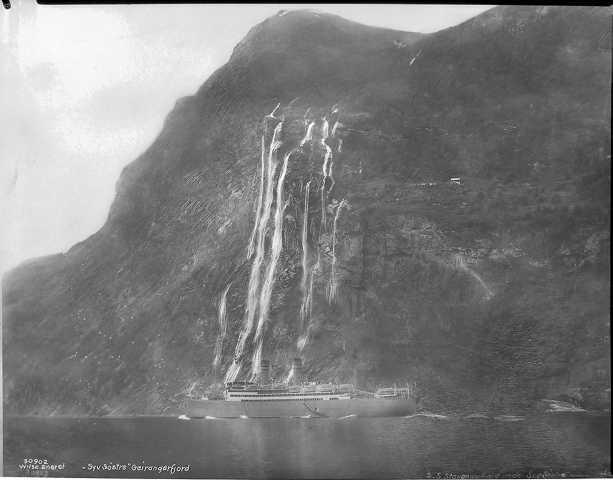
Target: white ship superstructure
265, 399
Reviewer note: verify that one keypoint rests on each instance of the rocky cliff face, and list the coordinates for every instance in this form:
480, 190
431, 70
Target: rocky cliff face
490, 292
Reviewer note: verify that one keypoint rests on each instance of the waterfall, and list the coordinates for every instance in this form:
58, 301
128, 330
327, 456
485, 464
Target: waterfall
269, 278
323, 185
336, 126
324, 167
254, 277
309, 134
308, 275
258, 210
325, 128
272, 114
256, 360
461, 264
332, 286
270, 208
332, 182
309, 302
305, 255
306, 311
324, 136
223, 327
303, 340
232, 371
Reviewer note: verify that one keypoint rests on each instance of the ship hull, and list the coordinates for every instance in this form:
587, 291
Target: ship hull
298, 408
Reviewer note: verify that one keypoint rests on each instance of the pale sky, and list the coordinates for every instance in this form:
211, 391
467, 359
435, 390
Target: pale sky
85, 89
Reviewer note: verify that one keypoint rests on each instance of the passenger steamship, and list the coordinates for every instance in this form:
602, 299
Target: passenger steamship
298, 399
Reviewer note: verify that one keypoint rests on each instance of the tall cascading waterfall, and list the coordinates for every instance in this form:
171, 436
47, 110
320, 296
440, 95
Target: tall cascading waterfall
461, 264
306, 309
324, 137
258, 210
263, 270
306, 273
269, 278
276, 247
339, 148
254, 277
332, 284
223, 326
325, 171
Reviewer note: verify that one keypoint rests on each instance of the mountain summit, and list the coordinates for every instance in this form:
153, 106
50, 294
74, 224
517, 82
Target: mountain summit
390, 206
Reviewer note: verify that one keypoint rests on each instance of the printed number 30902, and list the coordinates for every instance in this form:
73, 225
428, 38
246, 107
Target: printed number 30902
35, 461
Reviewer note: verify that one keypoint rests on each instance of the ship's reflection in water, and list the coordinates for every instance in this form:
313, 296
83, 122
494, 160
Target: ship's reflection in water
553, 444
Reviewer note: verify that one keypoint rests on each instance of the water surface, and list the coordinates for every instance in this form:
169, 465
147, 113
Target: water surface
422, 445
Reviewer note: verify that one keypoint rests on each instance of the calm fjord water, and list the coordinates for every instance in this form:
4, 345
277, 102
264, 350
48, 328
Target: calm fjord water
573, 444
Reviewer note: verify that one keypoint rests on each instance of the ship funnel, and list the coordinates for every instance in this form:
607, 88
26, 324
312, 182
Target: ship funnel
297, 369
265, 372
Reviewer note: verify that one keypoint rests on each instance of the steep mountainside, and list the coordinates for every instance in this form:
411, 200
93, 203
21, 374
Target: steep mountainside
490, 292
